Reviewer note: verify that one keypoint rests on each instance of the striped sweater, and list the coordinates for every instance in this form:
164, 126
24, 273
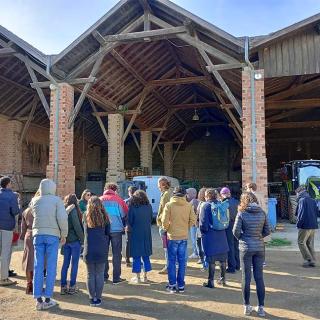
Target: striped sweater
250, 227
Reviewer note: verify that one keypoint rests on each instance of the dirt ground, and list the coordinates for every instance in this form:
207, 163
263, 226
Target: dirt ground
292, 292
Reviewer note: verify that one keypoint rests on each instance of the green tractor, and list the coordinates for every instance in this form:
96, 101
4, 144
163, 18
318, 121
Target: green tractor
294, 174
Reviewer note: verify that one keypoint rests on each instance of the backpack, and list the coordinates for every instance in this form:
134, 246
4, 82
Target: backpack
220, 215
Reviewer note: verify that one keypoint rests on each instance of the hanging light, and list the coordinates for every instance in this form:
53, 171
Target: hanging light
208, 133
195, 116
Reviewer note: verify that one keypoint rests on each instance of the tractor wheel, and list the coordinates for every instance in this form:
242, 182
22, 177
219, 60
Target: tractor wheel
284, 210
292, 209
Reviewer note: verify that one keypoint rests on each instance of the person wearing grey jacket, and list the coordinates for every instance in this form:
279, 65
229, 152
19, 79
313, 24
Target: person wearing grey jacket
50, 225
250, 227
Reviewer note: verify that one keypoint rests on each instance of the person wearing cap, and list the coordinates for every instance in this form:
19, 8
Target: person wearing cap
192, 198
9, 209
177, 218
233, 254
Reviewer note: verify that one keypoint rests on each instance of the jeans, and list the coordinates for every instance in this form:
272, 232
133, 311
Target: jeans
306, 244
136, 265
45, 248
255, 259
233, 254
5, 252
128, 238
71, 252
164, 239
193, 236
95, 277
177, 252
116, 244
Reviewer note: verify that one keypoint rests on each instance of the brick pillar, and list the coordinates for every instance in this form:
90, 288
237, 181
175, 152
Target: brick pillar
168, 156
146, 151
65, 179
261, 160
115, 171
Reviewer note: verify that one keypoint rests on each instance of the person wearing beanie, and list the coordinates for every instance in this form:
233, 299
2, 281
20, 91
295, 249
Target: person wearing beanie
233, 254
178, 217
192, 198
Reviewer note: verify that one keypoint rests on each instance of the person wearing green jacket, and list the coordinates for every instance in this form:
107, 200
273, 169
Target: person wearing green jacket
86, 195
72, 248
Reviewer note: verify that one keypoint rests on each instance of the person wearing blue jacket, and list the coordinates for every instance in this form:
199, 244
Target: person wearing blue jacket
214, 242
9, 208
307, 224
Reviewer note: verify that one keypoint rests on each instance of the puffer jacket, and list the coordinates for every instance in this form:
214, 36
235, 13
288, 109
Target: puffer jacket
250, 227
9, 209
177, 218
50, 216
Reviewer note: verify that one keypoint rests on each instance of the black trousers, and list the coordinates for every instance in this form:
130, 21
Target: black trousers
255, 259
233, 254
116, 245
128, 239
200, 250
212, 266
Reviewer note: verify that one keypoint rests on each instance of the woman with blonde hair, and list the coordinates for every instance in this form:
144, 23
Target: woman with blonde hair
96, 229
250, 227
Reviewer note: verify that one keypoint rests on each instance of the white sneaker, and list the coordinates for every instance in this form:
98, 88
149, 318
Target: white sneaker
50, 304
260, 311
193, 256
135, 280
39, 306
247, 310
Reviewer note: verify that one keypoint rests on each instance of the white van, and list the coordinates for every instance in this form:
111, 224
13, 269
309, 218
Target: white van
153, 192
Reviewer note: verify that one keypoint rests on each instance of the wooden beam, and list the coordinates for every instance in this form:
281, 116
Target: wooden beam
34, 104
103, 129
294, 125
160, 134
135, 140
209, 124
226, 66
15, 84
199, 105
86, 88
173, 82
196, 43
5, 52
160, 152
46, 84
180, 144
284, 114
292, 104
141, 35
106, 113
149, 129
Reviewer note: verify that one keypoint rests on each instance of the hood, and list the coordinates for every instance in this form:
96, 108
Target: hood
47, 186
253, 208
180, 201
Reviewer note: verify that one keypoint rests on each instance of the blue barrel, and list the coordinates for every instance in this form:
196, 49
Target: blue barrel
272, 212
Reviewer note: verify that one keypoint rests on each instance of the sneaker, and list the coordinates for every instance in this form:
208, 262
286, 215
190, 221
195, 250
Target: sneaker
312, 264
92, 303
199, 261
12, 273
98, 302
171, 289
39, 306
221, 282
193, 256
50, 304
73, 290
247, 310
306, 264
163, 271
7, 282
260, 311
135, 280
118, 281
208, 284
181, 290
64, 290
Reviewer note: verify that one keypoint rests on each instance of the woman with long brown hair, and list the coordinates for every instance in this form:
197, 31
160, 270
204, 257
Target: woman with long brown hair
96, 229
250, 227
72, 248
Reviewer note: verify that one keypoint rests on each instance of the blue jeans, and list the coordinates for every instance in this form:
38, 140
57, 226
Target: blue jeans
45, 248
136, 264
71, 253
177, 252
193, 236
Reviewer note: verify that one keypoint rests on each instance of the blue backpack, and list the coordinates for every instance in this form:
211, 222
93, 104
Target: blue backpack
220, 215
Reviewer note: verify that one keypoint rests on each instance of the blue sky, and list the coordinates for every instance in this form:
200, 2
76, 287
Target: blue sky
52, 25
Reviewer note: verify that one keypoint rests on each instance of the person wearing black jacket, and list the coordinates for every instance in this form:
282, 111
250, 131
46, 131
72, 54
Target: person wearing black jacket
307, 224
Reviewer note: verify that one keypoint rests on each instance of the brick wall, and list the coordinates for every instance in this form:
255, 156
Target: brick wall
261, 160
146, 150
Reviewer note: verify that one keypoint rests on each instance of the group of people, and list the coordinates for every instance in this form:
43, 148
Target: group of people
222, 230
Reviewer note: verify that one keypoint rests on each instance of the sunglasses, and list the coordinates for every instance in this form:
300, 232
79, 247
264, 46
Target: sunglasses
88, 195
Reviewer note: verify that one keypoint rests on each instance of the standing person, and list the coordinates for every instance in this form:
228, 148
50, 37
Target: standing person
117, 211
72, 248
9, 209
201, 201
307, 224
177, 218
250, 227
252, 187
214, 242
49, 225
83, 202
192, 198
96, 224
233, 254
164, 187
131, 191
140, 219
